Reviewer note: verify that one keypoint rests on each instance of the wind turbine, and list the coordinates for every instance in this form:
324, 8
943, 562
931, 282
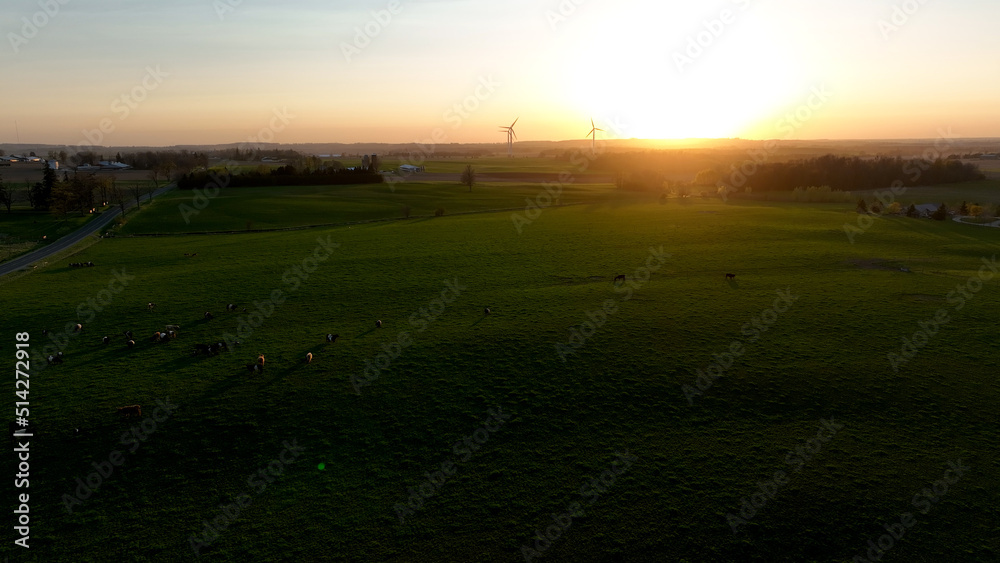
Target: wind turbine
511, 135
593, 136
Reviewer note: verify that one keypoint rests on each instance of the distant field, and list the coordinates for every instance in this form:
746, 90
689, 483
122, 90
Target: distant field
987, 191
824, 356
268, 208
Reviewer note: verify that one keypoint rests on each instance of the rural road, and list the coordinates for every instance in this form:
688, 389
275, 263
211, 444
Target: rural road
25, 261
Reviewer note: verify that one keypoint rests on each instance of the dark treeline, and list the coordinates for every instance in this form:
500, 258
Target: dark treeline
282, 176
854, 173
775, 171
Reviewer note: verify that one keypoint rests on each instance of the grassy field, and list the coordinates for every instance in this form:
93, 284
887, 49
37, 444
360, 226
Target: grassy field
269, 208
824, 356
984, 192
22, 230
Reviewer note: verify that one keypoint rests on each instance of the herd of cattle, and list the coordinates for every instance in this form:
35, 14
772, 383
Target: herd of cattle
170, 333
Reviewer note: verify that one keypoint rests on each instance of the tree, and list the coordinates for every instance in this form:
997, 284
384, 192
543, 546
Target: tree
911, 211
941, 214
136, 191
707, 177
862, 206
6, 196
876, 208
41, 192
469, 176
964, 210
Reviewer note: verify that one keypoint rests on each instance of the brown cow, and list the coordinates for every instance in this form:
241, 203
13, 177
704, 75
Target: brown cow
130, 410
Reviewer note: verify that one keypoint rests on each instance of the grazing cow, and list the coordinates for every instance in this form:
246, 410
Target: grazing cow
378, 324
620, 277
171, 335
78, 327
128, 334
231, 307
730, 276
157, 336
150, 306
200, 348
331, 338
260, 360
309, 358
130, 411
130, 344
209, 316
172, 327
254, 368
90, 264
486, 311
106, 340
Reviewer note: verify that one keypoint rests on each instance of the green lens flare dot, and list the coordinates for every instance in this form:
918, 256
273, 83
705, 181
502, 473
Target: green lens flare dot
321, 466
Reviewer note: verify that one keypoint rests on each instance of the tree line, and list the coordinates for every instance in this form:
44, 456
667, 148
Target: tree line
285, 176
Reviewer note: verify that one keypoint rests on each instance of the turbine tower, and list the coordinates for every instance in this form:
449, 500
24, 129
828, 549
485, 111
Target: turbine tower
593, 136
511, 135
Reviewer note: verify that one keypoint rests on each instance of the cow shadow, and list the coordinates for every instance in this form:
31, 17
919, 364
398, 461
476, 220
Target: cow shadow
733, 284
481, 319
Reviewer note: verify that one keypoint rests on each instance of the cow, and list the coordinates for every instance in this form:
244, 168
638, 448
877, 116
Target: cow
730, 276
378, 324
200, 348
486, 311
209, 316
231, 307
331, 338
172, 327
130, 344
106, 340
78, 327
130, 411
309, 358
150, 306
620, 277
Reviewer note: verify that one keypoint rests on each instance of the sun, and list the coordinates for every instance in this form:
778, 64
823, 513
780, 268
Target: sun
722, 93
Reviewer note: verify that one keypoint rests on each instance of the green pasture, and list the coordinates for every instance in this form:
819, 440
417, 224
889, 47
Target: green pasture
824, 356
269, 208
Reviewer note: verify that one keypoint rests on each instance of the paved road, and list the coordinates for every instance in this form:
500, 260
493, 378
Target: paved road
72, 239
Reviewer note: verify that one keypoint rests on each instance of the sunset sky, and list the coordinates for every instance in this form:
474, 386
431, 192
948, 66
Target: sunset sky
228, 67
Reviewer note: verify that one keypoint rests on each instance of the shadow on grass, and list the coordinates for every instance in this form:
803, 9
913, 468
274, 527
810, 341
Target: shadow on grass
481, 319
733, 284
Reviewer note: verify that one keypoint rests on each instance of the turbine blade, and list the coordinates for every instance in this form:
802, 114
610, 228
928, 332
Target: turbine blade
515, 122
